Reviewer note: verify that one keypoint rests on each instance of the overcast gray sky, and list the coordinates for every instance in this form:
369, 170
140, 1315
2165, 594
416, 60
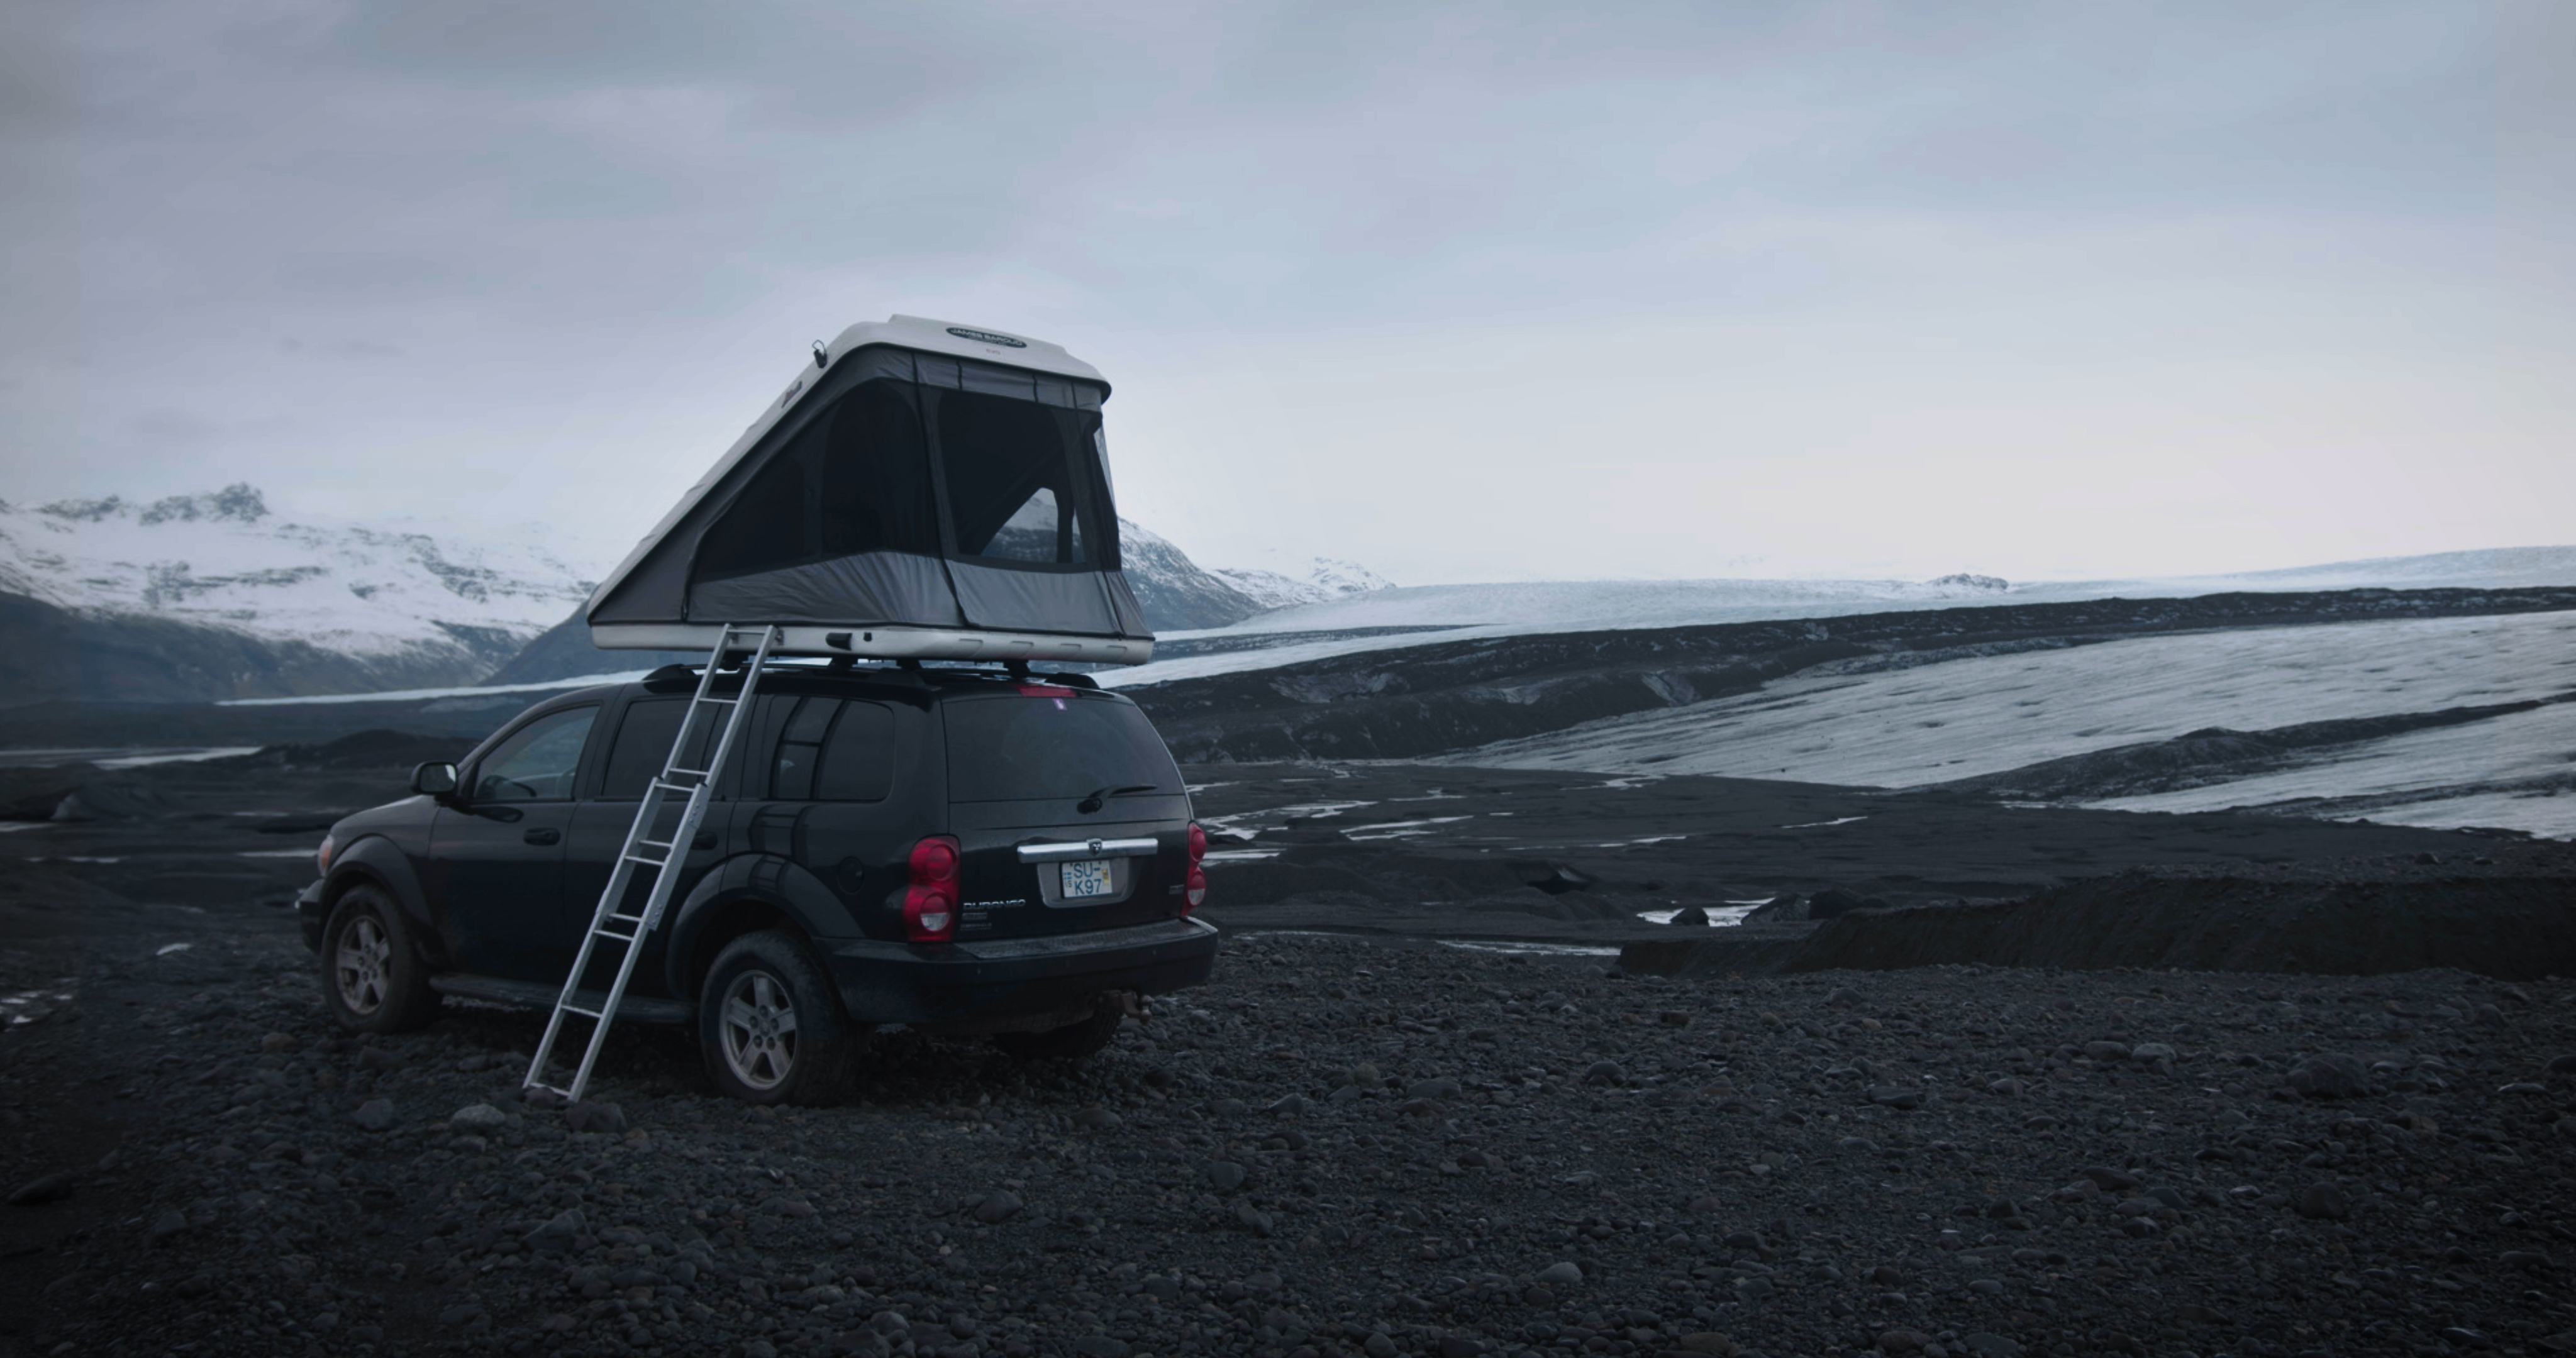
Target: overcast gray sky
1463, 292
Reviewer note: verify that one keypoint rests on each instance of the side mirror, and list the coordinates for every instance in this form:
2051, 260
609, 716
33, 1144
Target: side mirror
434, 779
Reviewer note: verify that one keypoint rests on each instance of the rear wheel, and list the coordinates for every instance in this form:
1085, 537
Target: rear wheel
1071, 1042
770, 1026
372, 978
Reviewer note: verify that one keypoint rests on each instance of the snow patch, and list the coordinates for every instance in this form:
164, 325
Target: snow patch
1313, 581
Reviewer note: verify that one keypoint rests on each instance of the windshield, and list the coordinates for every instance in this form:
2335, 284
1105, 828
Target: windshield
1009, 748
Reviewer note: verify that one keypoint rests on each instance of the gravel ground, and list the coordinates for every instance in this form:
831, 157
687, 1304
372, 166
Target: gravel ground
1349, 1144
1345, 1146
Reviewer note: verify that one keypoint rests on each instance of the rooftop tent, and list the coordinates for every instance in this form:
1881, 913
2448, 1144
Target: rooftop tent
927, 490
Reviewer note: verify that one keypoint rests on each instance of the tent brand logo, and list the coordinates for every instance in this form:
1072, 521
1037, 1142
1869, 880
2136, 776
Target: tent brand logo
986, 337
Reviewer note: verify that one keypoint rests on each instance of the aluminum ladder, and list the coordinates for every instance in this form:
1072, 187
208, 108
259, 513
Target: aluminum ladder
608, 921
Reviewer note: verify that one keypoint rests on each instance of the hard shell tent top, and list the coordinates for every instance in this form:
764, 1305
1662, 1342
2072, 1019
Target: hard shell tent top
923, 490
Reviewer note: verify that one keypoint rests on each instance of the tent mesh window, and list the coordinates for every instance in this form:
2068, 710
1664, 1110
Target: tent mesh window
1017, 489
1019, 455
855, 479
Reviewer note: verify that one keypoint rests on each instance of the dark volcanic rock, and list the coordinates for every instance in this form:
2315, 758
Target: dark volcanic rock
2503, 926
50, 1188
2330, 1075
1798, 1216
1415, 1136
1834, 903
2323, 1202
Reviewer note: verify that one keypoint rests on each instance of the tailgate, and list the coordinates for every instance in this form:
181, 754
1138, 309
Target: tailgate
1037, 775
1021, 880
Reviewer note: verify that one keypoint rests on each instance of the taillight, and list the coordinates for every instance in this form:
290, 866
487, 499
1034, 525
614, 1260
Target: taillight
322, 857
1197, 880
930, 902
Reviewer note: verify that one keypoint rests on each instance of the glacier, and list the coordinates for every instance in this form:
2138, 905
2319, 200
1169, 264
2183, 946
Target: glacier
1916, 727
1445, 613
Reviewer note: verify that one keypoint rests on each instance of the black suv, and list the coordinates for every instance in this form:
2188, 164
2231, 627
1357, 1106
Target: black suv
963, 852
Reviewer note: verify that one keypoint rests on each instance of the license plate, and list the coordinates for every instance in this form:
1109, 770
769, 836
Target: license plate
1084, 880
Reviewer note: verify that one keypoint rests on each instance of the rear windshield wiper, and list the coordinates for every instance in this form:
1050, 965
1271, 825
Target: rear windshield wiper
1093, 802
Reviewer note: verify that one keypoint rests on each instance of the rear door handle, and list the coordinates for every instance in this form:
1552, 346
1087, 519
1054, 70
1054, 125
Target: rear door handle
702, 841
542, 835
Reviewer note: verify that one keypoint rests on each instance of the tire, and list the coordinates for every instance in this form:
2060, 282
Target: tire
771, 1027
1072, 1042
373, 979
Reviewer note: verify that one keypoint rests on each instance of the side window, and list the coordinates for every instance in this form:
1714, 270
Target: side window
858, 760
834, 751
800, 748
537, 762
644, 738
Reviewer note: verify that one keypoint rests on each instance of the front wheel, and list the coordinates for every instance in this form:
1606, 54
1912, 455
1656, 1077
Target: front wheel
770, 1026
1072, 1042
372, 978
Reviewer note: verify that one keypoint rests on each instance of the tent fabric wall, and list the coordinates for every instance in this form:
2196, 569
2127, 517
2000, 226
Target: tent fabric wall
850, 510
872, 588
1031, 601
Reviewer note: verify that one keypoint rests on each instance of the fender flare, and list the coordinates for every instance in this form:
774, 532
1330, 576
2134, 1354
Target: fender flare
378, 861
766, 878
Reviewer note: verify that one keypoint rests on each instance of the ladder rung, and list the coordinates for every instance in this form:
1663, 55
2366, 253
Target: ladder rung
648, 862
611, 933
720, 702
577, 1009
684, 787
654, 843
628, 919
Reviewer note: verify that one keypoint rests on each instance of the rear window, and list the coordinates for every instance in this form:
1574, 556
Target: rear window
1008, 748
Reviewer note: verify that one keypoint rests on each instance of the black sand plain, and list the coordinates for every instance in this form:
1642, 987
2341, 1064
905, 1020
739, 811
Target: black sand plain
1450, 1094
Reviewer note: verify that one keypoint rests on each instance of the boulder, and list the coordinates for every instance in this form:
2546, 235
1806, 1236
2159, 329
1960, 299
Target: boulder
2329, 1075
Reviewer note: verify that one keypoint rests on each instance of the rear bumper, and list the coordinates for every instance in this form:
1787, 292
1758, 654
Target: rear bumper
963, 982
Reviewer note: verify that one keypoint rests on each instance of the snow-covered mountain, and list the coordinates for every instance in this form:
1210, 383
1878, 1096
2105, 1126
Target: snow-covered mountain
225, 598
1318, 580
1176, 594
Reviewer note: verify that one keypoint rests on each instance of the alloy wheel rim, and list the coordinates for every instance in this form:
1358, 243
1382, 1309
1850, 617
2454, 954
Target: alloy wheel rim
758, 1023
359, 969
